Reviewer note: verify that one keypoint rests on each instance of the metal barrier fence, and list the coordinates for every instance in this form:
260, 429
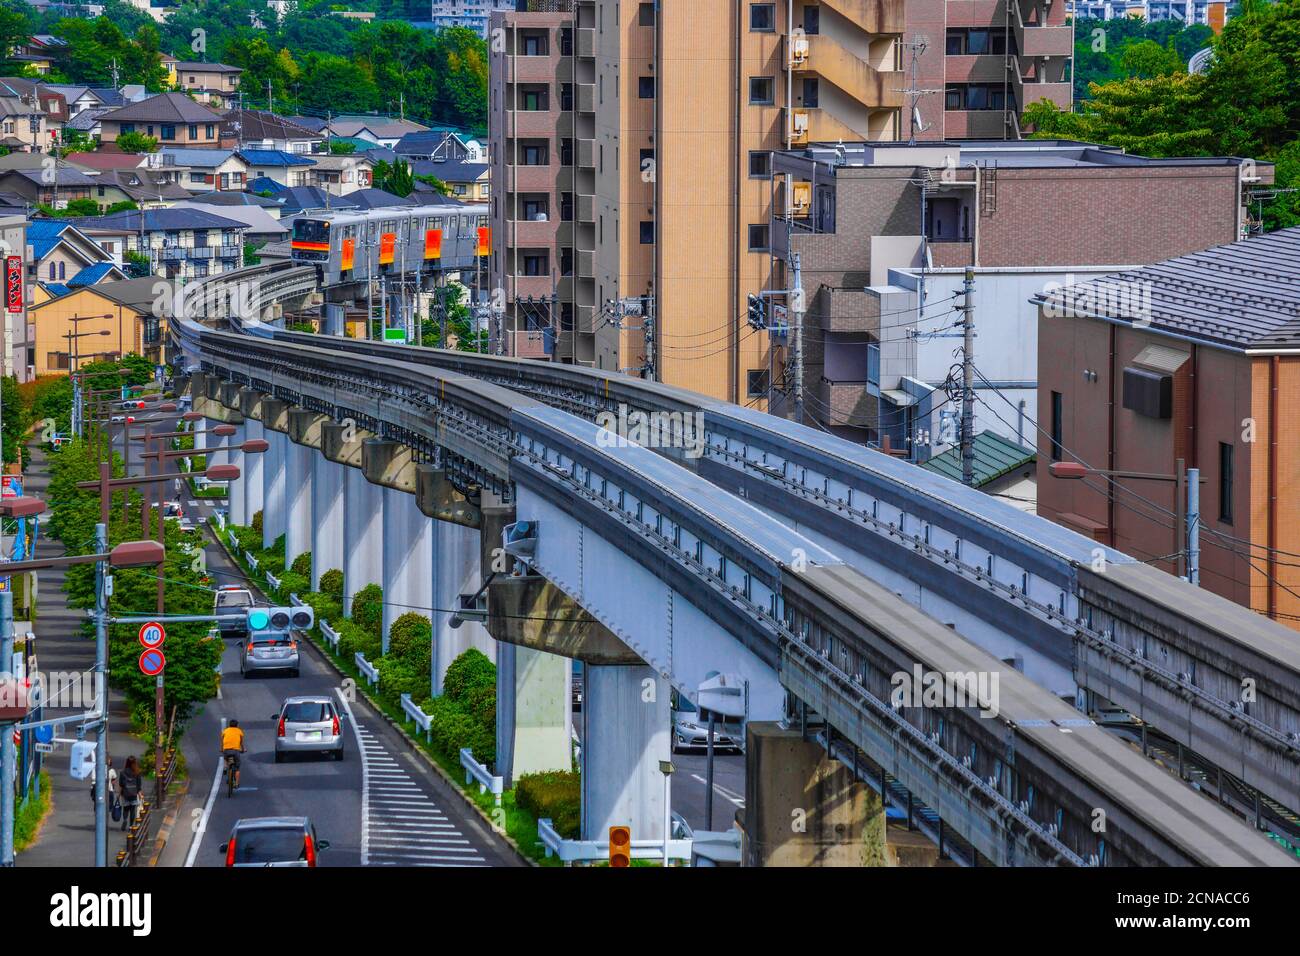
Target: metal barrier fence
367, 669
588, 851
475, 771
422, 720
329, 634
272, 580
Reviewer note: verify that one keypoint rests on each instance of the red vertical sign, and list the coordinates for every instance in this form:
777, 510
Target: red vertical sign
13, 284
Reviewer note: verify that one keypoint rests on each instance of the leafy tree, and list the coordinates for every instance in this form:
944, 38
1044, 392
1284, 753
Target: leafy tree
125, 205
134, 142
81, 207
17, 419
394, 178
340, 147
438, 185
450, 324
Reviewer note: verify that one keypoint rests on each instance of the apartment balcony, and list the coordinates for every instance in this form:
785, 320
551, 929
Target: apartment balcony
586, 264
846, 310
585, 42
532, 69
521, 287
1038, 39
849, 403
585, 97
818, 126
857, 78
1049, 82
584, 318
530, 123
873, 16
529, 343
531, 179
975, 124
586, 154
586, 208
986, 68
951, 255
529, 233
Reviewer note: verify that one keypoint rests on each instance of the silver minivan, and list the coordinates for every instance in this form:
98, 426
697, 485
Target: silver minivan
308, 725
269, 651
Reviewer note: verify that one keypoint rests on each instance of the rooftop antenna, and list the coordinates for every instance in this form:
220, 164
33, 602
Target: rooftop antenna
916, 47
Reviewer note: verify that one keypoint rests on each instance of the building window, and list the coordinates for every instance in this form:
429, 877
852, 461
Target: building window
762, 17
760, 164
566, 152
1225, 482
194, 131
121, 128
566, 97
535, 100
209, 131
566, 261
566, 316
54, 272
645, 15
761, 91
977, 41
168, 132
1058, 424
645, 87
535, 44
812, 20
647, 232
566, 41
535, 154
566, 207
535, 264
975, 96
756, 382
758, 238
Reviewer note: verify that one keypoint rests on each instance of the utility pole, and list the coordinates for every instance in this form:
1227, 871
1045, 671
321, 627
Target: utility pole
1194, 526
796, 312
916, 47
101, 681
270, 102
968, 382
648, 324
8, 755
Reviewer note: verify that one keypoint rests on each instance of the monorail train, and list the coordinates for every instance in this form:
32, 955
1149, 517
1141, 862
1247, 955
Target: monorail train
356, 245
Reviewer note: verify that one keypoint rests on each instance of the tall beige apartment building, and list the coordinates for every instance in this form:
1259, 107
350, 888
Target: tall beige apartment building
631, 151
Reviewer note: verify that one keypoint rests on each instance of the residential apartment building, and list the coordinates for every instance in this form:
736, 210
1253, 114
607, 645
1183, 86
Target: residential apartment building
171, 118
179, 243
1190, 359
215, 84
340, 175
631, 156
207, 170
885, 231
258, 129
123, 311
1211, 13
287, 169
470, 14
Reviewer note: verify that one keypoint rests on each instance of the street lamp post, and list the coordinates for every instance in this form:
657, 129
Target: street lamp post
1187, 506
666, 768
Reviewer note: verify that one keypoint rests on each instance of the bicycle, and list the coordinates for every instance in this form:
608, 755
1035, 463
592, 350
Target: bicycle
228, 774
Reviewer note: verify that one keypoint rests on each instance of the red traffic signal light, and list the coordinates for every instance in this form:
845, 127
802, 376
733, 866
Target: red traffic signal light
620, 846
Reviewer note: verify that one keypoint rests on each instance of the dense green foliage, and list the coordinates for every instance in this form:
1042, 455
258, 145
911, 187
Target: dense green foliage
1109, 50
556, 795
450, 323
331, 585
302, 564
368, 608
1246, 104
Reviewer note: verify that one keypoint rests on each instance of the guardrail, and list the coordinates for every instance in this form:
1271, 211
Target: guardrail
475, 771
367, 669
252, 560
422, 720
586, 851
329, 634
272, 580
296, 601
220, 518
234, 541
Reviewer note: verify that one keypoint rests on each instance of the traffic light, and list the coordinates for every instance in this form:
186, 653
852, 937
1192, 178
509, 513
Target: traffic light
620, 846
280, 618
757, 312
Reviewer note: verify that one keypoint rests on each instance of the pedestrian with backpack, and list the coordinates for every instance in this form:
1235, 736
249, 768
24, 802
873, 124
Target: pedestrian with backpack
129, 785
110, 790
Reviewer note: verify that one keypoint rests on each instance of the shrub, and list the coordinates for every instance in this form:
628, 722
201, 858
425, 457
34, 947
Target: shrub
454, 727
302, 564
482, 703
397, 677
368, 608
353, 638
469, 671
410, 639
257, 524
277, 548
331, 584
556, 794
326, 607
249, 539
291, 582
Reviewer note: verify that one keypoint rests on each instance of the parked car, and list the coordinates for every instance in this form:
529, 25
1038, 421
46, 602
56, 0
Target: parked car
268, 651
273, 841
230, 604
308, 725
691, 730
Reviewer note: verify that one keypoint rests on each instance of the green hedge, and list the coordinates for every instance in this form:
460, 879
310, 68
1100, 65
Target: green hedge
368, 608
469, 671
326, 608
455, 726
256, 524
331, 585
410, 639
556, 794
302, 565
353, 638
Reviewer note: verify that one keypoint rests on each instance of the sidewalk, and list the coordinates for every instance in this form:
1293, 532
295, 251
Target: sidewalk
67, 837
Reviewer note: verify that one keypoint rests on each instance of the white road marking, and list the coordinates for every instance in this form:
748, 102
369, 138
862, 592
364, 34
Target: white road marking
207, 810
728, 795
365, 780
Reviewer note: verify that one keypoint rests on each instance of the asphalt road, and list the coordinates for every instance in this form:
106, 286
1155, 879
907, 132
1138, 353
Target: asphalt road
379, 806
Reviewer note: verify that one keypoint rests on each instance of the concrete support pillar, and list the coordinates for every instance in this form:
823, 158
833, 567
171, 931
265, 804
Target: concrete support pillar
253, 471
273, 484
235, 501
363, 534
298, 473
455, 572
326, 517
408, 558
625, 734
803, 808
218, 451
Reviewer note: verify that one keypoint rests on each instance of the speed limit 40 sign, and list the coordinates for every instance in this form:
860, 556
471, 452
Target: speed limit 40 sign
152, 635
